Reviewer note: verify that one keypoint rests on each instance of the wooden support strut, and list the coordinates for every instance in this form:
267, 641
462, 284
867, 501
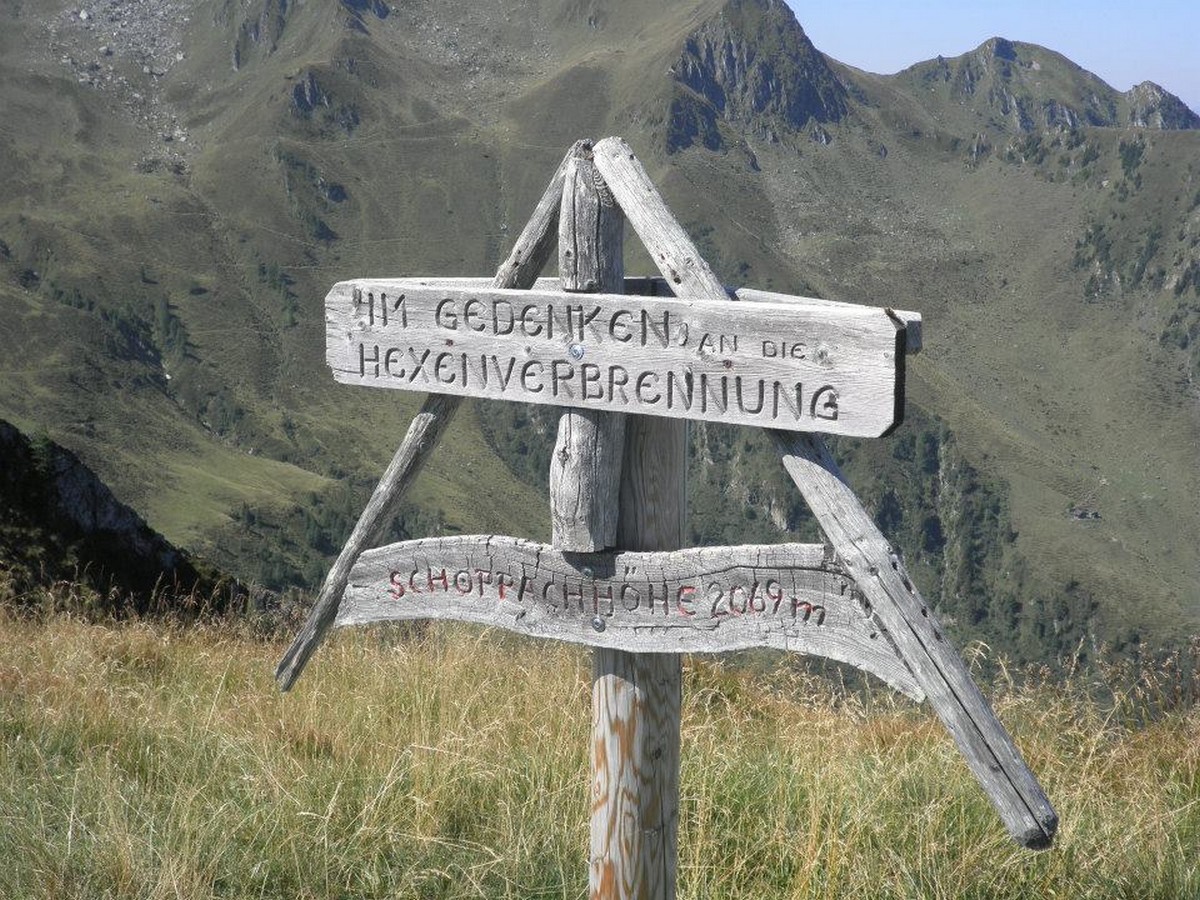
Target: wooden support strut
585, 468
519, 270
989, 750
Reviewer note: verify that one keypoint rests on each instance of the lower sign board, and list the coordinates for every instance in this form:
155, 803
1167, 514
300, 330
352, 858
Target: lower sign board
792, 597
794, 366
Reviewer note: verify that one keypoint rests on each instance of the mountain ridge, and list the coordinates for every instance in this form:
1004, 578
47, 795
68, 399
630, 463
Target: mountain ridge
1008, 75
163, 259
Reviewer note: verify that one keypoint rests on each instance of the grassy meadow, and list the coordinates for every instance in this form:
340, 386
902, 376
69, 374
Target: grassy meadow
151, 760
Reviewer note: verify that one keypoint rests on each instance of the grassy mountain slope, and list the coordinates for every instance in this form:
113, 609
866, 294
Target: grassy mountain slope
170, 229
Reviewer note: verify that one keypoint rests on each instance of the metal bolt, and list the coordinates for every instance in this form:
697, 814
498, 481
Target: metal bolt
575, 351
598, 623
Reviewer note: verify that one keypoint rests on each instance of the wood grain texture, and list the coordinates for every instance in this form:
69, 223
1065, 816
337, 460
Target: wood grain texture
664, 238
591, 229
643, 286
637, 697
636, 705
520, 270
585, 471
585, 467
830, 368
879, 574
792, 597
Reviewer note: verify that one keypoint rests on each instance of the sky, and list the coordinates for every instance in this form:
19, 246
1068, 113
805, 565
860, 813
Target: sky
1124, 43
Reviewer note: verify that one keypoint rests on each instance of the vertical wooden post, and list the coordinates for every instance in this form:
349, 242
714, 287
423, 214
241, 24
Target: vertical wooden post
585, 467
635, 697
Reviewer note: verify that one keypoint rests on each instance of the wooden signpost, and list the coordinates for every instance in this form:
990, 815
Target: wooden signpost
773, 364
630, 360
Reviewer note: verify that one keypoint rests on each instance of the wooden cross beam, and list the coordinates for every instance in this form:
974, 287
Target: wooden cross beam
795, 597
786, 365
665, 349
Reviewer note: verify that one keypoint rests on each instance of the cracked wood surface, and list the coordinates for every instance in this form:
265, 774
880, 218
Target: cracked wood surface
878, 573
793, 597
585, 465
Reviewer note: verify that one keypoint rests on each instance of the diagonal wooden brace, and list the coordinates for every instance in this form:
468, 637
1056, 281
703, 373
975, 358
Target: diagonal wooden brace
519, 270
881, 577
989, 751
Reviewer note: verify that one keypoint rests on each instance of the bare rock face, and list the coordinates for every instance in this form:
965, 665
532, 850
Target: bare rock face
1030, 88
51, 501
1150, 106
751, 64
359, 10
261, 32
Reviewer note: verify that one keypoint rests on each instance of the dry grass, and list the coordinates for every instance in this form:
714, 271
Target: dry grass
142, 760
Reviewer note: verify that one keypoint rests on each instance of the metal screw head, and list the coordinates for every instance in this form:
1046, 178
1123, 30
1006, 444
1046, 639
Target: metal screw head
586, 571
598, 623
575, 351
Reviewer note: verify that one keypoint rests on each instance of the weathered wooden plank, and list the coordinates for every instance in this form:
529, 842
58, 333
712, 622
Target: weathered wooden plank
910, 321
878, 573
832, 369
520, 270
643, 286
792, 597
585, 467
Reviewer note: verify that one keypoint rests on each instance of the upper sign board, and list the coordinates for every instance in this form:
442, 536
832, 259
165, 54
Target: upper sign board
794, 366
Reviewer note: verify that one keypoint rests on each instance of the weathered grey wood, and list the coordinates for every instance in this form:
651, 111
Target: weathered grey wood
585, 467
836, 369
909, 321
878, 573
663, 237
423, 435
793, 597
636, 702
591, 230
637, 697
642, 286
989, 750
520, 270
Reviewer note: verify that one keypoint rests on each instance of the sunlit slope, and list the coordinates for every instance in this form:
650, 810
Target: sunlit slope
165, 261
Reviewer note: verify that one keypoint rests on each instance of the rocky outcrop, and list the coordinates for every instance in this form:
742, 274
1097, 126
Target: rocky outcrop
311, 99
260, 32
751, 65
308, 95
1150, 106
59, 522
1027, 88
359, 10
